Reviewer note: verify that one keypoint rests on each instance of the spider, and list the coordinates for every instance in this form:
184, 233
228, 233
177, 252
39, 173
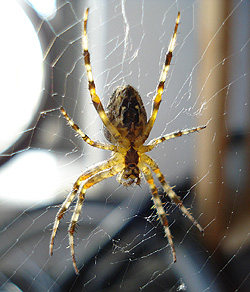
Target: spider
126, 128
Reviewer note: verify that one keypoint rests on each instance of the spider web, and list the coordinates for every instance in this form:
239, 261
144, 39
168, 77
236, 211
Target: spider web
119, 243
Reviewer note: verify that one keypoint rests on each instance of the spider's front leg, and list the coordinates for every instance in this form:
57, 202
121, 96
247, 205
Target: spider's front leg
94, 175
59, 216
88, 173
88, 184
158, 205
169, 191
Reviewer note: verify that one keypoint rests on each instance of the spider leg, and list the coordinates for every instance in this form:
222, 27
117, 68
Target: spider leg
95, 99
85, 137
158, 205
157, 99
88, 173
169, 190
59, 216
159, 140
98, 177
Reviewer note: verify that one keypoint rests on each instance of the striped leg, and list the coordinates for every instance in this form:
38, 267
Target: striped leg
88, 173
159, 140
169, 191
86, 137
98, 177
157, 99
95, 99
59, 216
158, 205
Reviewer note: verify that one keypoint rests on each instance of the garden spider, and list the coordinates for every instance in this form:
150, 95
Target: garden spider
126, 128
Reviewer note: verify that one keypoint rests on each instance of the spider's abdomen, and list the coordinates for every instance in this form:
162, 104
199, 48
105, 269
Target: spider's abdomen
126, 112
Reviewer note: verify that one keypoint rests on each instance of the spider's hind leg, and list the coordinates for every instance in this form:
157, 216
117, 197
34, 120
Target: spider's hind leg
161, 84
92, 89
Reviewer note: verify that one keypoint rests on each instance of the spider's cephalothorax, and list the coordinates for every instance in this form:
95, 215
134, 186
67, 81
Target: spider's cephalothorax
126, 127
126, 112
131, 173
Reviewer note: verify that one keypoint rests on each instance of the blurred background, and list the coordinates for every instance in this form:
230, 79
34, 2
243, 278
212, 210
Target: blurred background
120, 245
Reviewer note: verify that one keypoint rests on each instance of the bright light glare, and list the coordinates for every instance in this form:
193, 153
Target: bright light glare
21, 73
28, 178
46, 8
